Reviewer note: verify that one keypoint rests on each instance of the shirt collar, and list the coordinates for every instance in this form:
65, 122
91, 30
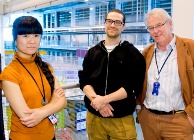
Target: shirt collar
171, 45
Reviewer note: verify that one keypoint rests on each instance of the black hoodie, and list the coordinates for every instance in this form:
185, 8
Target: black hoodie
107, 72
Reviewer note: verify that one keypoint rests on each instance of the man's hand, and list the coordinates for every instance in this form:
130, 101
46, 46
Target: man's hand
98, 103
137, 111
191, 120
106, 111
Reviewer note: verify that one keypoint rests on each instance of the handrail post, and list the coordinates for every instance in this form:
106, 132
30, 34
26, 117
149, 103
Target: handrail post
2, 132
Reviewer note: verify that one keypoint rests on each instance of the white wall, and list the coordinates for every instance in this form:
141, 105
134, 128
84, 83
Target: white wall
183, 17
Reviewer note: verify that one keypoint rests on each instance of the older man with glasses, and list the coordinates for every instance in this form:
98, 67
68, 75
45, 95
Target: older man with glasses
167, 100
112, 78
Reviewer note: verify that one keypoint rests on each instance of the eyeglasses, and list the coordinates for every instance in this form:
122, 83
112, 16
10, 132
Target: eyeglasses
116, 22
158, 26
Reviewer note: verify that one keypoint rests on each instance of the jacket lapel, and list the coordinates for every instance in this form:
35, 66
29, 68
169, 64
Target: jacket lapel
148, 54
181, 51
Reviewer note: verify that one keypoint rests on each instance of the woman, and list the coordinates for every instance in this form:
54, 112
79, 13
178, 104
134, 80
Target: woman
29, 85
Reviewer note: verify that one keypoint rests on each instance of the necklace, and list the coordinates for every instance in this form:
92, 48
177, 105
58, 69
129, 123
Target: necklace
44, 100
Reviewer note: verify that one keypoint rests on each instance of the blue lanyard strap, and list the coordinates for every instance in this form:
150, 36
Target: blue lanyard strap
163, 63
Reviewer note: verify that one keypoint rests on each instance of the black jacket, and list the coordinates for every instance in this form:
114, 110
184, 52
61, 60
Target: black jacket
107, 72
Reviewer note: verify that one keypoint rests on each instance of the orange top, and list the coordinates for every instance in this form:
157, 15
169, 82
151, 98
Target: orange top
17, 74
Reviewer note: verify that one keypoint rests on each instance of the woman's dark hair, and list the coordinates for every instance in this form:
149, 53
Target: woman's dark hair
26, 25
30, 25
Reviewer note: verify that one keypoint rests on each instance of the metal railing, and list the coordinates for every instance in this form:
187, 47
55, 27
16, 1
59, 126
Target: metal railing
70, 86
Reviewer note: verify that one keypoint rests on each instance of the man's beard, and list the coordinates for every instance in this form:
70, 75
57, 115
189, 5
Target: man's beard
113, 36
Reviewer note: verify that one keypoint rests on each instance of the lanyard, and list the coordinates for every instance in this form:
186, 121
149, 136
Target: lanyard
42, 94
162, 64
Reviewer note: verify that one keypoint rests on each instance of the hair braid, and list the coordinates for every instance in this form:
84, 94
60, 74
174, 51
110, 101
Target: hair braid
45, 69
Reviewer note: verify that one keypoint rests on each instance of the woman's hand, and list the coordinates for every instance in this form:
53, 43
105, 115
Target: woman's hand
57, 94
35, 116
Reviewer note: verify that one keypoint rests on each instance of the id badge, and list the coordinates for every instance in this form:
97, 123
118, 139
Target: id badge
53, 119
156, 86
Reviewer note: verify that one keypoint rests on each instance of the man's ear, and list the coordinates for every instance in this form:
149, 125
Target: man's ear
123, 27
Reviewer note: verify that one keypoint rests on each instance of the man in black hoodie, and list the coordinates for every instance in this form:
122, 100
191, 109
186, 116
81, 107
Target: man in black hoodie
112, 78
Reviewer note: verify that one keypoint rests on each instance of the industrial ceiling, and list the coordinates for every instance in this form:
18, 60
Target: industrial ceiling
12, 6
